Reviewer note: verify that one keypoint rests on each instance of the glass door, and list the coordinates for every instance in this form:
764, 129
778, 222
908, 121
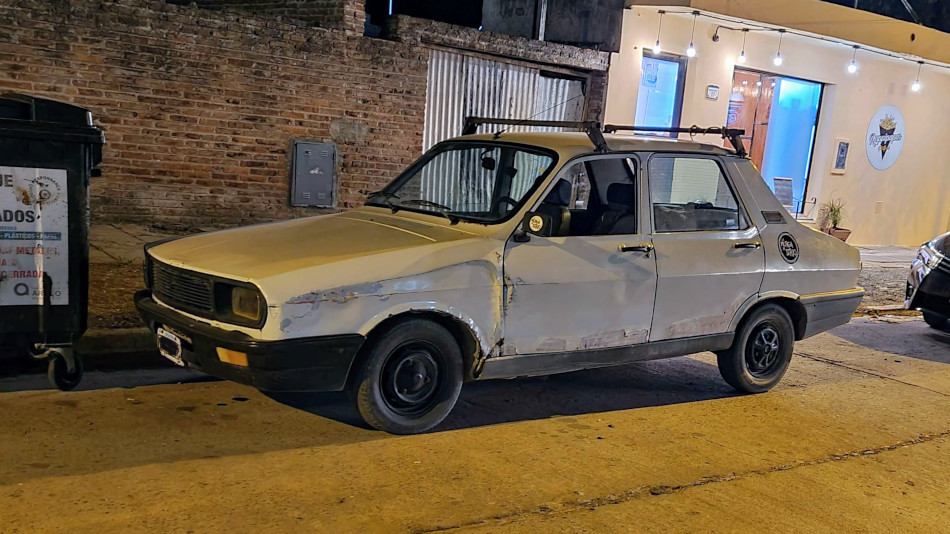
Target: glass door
660, 94
780, 117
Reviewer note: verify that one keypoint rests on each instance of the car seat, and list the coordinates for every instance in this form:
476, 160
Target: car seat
556, 205
619, 217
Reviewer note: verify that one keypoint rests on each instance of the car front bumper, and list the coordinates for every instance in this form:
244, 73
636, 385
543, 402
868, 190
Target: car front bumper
928, 283
308, 364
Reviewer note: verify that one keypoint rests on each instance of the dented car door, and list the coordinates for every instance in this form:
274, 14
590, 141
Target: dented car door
709, 254
594, 287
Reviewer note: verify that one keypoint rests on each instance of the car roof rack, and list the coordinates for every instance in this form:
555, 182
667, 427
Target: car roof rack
734, 135
596, 134
591, 128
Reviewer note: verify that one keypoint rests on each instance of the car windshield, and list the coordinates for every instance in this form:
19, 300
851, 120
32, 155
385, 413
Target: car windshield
483, 183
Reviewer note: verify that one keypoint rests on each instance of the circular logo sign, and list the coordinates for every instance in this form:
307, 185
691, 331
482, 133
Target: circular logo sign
788, 247
536, 223
44, 190
885, 138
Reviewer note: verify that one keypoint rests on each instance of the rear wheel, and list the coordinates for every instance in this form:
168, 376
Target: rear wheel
936, 320
761, 351
411, 378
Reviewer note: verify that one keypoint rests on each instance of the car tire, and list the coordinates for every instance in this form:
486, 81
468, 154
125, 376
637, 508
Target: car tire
761, 351
410, 378
936, 320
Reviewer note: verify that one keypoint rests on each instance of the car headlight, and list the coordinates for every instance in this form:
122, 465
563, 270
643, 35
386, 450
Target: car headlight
934, 260
933, 256
246, 303
242, 305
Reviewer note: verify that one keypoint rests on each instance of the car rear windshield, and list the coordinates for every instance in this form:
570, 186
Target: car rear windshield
480, 182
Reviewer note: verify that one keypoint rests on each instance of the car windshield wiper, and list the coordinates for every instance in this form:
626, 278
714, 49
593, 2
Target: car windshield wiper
444, 211
387, 199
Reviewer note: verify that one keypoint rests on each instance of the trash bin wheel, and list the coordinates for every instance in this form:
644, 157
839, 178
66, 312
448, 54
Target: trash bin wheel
58, 372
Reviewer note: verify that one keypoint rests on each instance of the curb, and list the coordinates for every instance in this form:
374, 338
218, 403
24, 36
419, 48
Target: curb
118, 348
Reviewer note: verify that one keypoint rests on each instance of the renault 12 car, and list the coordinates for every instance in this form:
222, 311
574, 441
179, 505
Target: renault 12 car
507, 255
928, 284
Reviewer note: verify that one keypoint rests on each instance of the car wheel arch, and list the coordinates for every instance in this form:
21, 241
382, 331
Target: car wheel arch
465, 335
790, 302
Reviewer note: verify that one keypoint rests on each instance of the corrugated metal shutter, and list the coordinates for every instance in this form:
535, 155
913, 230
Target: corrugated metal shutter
461, 86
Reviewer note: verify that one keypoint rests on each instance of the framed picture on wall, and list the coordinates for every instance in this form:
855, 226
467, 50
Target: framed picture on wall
842, 146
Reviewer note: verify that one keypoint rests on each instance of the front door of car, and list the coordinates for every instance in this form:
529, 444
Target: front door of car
591, 284
709, 255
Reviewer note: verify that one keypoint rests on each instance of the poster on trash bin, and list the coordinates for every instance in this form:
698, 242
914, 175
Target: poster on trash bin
34, 236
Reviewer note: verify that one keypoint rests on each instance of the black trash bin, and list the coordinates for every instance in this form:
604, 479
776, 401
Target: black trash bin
48, 152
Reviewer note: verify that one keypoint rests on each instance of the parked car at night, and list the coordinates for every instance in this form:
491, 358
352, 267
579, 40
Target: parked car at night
928, 284
507, 255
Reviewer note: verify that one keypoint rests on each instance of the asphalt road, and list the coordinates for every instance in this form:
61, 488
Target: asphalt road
856, 438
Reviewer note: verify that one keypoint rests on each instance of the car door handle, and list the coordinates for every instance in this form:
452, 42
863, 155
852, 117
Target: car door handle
645, 247
748, 244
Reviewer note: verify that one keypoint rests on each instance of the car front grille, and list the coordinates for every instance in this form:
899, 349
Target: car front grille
185, 290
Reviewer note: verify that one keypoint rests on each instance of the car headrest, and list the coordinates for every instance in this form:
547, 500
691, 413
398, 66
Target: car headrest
560, 195
620, 196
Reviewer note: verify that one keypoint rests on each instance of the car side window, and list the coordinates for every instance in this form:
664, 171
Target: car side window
598, 197
692, 194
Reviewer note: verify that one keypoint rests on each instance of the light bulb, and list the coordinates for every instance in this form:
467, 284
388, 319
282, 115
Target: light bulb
741, 58
915, 87
691, 51
656, 47
778, 60
852, 67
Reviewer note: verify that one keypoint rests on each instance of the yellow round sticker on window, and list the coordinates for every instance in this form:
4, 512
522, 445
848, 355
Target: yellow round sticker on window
536, 223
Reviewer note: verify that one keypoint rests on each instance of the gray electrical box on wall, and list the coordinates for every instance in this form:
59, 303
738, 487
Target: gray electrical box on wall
314, 175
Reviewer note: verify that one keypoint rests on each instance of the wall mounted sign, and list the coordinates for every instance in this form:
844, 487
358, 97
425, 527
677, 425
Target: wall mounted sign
885, 138
842, 147
712, 92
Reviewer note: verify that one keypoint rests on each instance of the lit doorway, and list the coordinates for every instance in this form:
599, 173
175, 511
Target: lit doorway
660, 94
780, 117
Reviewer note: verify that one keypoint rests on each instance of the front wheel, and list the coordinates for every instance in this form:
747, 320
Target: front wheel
936, 320
761, 351
410, 379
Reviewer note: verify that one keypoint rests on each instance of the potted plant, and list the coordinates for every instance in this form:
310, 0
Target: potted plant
830, 216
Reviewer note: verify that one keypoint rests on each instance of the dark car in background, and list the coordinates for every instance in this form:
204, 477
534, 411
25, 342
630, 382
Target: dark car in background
928, 285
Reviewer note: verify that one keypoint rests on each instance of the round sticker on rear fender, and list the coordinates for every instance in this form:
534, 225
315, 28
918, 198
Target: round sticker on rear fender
788, 247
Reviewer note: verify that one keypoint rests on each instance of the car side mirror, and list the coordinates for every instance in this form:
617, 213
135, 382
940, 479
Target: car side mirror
538, 224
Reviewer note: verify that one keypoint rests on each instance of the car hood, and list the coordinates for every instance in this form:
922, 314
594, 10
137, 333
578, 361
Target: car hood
267, 250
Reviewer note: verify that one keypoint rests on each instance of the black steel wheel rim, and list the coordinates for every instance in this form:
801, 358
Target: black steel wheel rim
412, 378
763, 350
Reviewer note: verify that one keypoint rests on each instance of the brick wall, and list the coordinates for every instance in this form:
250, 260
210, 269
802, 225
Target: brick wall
322, 13
200, 107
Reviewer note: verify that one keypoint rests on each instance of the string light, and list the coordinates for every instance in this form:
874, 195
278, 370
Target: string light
778, 60
691, 51
853, 67
657, 48
741, 59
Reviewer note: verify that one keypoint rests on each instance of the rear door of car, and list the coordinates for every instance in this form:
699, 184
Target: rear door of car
709, 254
